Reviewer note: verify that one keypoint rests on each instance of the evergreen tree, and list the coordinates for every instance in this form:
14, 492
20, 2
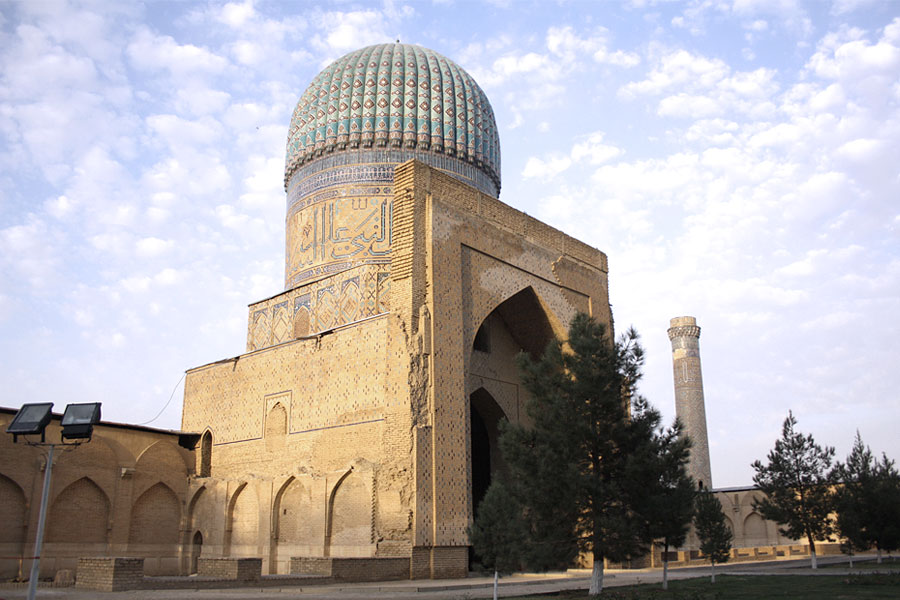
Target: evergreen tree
497, 534
670, 503
867, 501
797, 486
582, 470
712, 530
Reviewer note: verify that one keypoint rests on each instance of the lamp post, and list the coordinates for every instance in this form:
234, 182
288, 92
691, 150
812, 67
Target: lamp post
32, 419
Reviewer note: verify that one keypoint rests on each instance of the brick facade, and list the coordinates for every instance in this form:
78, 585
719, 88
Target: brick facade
345, 433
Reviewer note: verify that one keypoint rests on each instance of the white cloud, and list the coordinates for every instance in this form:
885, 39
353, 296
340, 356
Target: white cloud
590, 150
685, 105
168, 276
342, 32
30, 250
861, 150
151, 247
60, 207
236, 14
537, 168
593, 150
152, 52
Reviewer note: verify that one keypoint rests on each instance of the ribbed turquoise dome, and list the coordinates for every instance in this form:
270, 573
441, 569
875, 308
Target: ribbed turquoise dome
395, 96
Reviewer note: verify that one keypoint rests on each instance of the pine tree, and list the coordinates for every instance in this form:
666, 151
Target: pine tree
797, 486
867, 501
497, 534
712, 530
583, 469
670, 503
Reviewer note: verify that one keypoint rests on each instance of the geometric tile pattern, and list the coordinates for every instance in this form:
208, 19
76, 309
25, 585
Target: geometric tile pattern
398, 95
323, 304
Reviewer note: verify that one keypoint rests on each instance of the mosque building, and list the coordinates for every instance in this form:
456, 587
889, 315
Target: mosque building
362, 419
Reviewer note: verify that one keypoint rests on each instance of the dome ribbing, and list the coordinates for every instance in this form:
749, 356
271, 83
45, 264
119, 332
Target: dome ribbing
395, 96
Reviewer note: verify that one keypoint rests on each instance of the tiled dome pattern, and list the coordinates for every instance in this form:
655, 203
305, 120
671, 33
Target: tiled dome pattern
395, 95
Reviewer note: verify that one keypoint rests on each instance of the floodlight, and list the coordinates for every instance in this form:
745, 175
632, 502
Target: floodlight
30, 420
79, 419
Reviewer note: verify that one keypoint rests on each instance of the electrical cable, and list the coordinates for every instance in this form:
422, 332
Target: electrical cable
172, 395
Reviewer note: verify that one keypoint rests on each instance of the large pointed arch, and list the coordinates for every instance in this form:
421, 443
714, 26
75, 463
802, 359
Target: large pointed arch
155, 518
528, 318
79, 514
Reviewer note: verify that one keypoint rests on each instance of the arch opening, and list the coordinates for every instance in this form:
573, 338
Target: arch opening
521, 323
485, 416
206, 454
196, 550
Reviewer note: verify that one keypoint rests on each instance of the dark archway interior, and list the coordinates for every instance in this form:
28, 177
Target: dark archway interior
481, 459
485, 417
196, 550
520, 323
527, 321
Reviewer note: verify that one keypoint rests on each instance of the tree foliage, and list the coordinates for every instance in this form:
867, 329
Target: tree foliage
712, 530
497, 534
583, 469
797, 486
670, 503
867, 501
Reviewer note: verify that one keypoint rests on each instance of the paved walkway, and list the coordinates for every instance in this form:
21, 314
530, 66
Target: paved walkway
444, 589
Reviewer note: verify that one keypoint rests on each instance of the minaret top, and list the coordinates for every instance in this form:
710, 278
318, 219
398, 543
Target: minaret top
683, 327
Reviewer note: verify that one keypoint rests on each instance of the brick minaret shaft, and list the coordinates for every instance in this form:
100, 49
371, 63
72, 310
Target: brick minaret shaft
689, 402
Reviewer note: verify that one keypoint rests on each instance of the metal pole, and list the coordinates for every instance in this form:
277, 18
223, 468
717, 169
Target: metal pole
39, 540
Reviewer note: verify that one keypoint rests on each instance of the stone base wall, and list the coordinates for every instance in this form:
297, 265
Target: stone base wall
450, 562
439, 562
110, 574
238, 569
352, 569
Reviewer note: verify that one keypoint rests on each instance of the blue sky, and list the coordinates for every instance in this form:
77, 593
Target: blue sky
737, 161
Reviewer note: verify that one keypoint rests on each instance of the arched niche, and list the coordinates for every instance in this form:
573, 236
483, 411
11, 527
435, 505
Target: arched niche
206, 445
201, 510
12, 505
348, 528
12, 526
155, 517
162, 457
243, 522
293, 506
755, 531
79, 514
276, 427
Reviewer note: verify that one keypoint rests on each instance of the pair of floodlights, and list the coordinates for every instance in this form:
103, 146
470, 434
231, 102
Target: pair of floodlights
77, 422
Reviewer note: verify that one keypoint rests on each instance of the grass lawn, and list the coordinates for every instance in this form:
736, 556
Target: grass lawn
728, 587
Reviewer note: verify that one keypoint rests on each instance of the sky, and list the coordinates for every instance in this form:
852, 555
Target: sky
737, 161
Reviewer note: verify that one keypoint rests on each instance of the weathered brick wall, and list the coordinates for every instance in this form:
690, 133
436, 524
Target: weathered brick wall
326, 437
110, 574
100, 501
352, 569
239, 569
458, 254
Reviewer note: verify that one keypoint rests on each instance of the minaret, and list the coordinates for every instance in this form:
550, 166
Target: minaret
689, 402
